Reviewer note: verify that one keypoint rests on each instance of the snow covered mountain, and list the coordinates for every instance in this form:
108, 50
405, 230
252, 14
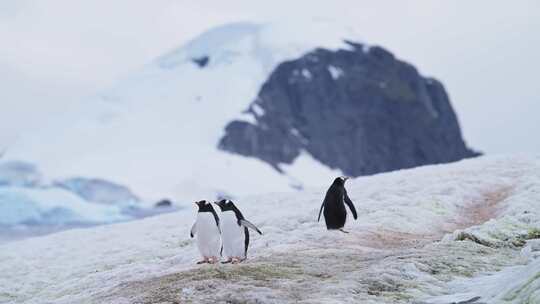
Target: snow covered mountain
157, 132
466, 232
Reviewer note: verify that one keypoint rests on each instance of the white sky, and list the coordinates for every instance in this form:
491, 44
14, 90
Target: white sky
486, 53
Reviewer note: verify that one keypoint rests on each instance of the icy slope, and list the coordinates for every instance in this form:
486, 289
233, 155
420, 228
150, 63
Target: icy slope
394, 253
32, 203
157, 131
51, 206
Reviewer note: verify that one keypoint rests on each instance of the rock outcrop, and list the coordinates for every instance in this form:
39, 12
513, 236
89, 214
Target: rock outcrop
360, 110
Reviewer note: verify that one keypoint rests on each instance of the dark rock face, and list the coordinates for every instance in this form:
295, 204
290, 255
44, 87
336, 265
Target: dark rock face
359, 110
164, 203
201, 62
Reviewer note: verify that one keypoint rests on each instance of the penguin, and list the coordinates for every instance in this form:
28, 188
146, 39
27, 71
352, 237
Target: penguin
334, 202
208, 233
235, 233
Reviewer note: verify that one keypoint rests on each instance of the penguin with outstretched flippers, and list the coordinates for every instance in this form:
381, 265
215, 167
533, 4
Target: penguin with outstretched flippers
208, 233
335, 214
235, 233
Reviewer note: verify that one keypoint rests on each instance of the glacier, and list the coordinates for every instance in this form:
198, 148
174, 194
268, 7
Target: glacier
33, 203
51, 207
99, 191
19, 173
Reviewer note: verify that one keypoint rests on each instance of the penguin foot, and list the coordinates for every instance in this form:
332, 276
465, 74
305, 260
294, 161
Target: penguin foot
204, 261
236, 260
343, 230
213, 260
227, 261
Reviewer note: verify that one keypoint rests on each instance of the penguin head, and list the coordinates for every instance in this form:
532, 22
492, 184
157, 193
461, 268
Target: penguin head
204, 206
225, 205
340, 180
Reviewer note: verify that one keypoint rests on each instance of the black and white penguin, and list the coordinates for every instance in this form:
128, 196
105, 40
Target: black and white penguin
334, 202
208, 233
235, 233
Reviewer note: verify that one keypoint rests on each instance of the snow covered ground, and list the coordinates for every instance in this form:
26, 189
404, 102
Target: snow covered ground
436, 234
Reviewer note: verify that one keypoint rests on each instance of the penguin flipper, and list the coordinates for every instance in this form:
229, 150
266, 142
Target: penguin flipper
248, 224
350, 204
320, 211
193, 230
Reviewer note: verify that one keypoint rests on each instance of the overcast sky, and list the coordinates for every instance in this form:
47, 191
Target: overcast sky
54, 52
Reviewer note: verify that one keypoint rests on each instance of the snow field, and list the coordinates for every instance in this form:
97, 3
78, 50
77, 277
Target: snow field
396, 252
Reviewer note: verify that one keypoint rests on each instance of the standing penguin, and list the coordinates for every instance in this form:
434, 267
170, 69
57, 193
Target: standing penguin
334, 202
235, 232
206, 227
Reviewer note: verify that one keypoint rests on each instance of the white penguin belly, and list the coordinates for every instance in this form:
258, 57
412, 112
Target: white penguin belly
233, 235
208, 238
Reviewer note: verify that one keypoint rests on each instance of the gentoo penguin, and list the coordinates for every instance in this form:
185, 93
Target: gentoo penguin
207, 230
335, 214
235, 234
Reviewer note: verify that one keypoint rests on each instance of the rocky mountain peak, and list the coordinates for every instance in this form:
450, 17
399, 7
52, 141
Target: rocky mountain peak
359, 109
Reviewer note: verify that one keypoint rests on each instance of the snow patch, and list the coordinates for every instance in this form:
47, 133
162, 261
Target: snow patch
335, 72
366, 48
258, 110
298, 135
307, 74
248, 117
